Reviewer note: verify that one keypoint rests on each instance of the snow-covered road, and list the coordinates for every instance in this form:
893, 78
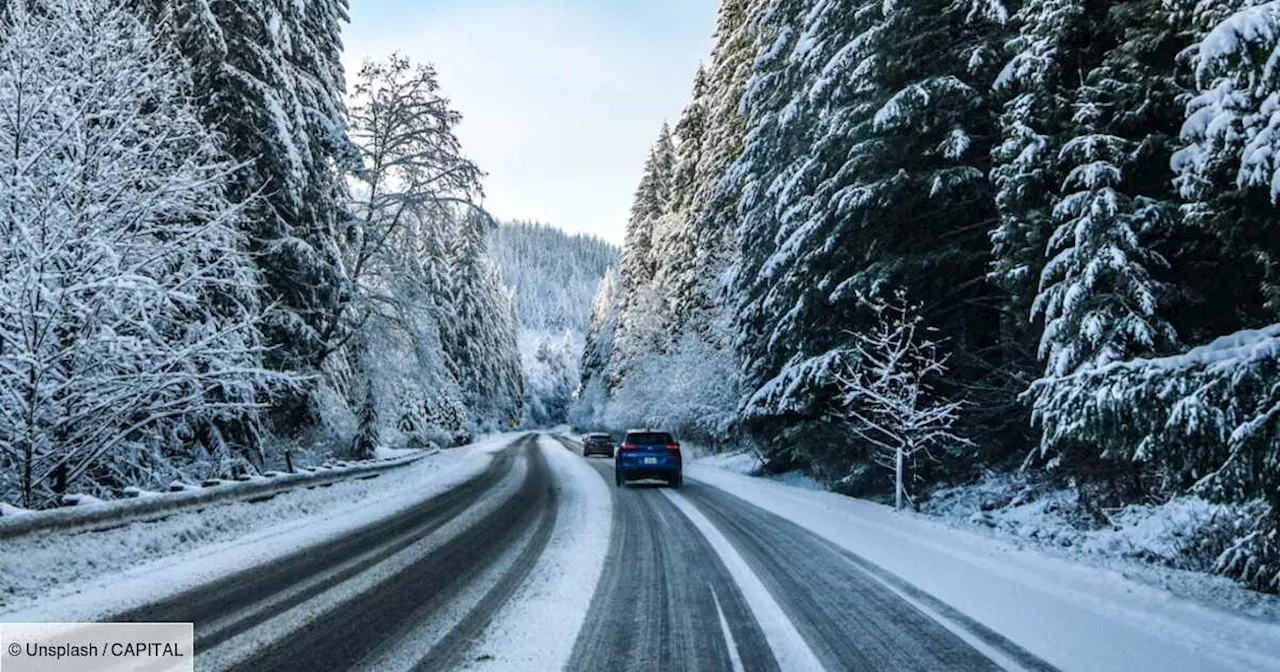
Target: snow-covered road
524, 556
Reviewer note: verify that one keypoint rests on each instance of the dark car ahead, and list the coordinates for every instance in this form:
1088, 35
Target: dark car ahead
649, 454
597, 444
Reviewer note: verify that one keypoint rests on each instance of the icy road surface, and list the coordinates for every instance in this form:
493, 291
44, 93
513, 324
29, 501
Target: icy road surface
526, 557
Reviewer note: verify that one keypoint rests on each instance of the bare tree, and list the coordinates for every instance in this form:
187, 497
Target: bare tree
887, 397
413, 168
413, 187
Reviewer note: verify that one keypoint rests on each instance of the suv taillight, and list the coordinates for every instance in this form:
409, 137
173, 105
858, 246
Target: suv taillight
627, 446
674, 448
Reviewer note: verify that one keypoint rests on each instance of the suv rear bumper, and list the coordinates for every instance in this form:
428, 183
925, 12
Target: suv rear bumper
648, 471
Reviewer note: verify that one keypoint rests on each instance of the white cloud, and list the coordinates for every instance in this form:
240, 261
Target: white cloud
560, 104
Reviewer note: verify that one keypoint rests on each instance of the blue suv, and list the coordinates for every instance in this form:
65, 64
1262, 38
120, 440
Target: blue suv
648, 454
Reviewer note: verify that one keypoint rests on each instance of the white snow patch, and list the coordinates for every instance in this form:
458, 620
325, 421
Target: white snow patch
744, 462
1074, 616
1171, 546
387, 453
748, 463
11, 510
538, 627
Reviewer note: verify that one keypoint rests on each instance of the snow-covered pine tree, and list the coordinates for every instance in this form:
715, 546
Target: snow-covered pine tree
1036, 83
597, 350
771, 143
674, 244
1228, 170
652, 199
128, 308
1102, 295
269, 77
866, 169
639, 299
479, 336
1207, 419
713, 208
1097, 297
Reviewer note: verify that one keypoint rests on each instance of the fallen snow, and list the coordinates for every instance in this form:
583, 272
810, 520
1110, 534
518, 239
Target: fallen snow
388, 453
1075, 616
80, 576
748, 463
745, 463
11, 510
1160, 545
537, 628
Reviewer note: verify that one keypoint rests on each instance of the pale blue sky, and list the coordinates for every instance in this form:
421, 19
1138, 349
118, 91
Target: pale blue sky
561, 98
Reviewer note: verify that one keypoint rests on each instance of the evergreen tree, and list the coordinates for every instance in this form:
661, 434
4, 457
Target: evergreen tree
1227, 170
652, 200
674, 243
600, 329
1037, 83
713, 208
597, 350
639, 300
269, 76
479, 338
866, 169
1098, 298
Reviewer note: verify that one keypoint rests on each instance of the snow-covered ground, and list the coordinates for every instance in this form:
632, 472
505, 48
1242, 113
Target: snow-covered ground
1171, 545
1075, 615
1167, 546
749, 464
79, 576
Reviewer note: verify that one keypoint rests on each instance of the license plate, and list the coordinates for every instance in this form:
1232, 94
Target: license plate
650, 460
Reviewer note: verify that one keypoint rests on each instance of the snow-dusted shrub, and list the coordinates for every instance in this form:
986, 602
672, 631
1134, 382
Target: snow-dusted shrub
129, 342
889, 400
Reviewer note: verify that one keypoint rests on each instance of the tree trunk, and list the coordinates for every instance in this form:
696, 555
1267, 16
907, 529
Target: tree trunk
897, 477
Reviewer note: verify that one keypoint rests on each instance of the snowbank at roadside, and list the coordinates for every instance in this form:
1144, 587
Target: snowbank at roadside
80, 576
1075, 616
748, 463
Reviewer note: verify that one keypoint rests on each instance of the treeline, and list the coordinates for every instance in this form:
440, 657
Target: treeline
1080, 198
207, 257
553, 274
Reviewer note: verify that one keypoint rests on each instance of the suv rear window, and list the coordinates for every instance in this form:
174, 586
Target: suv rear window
649, 438
599, 437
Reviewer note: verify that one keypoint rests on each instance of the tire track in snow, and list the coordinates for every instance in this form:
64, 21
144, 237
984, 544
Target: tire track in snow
361, 628
233, 604
537, 627
654, 607
791, 650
